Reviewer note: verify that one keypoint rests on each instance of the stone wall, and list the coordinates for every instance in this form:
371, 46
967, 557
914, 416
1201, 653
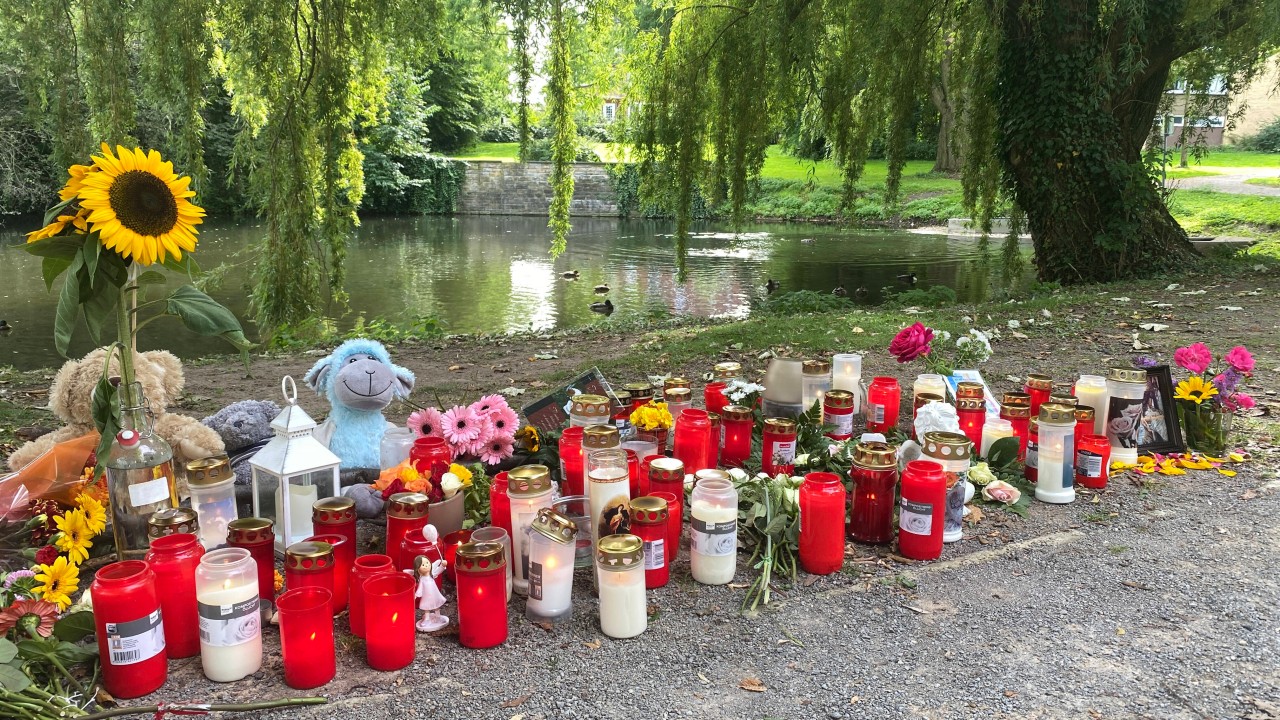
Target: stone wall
510, 188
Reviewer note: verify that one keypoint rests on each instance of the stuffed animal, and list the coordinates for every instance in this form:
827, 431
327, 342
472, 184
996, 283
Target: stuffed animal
71, 399
359, 381
245, 427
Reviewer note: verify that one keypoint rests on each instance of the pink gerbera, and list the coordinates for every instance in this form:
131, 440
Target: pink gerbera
461, 425
504, 421
426, 423
488, 404
497, 450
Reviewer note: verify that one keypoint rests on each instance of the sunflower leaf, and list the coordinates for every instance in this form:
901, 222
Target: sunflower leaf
152, 277
99, 304
64, 318
106, 417
74, 627
52, 213
51, 268
92, 250
187, 265
63, 246
207, 316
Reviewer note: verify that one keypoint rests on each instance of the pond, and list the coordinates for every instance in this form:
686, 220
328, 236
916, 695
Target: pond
493, 274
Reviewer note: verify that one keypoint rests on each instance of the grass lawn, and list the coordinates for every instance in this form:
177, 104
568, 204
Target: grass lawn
1267, 181
506, 152
1177, 172
1231, 157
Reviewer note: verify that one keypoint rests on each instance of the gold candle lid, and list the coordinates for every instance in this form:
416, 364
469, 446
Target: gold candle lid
333, 511
969, 389
1063, 399
1085, 413
1129, 375
666, 469
678, 395
594, 406
1038, 381
531, 479
1057, 414
408, 506
250, 531
728, 370
600, 437
555, 526
712, 474
618, 553
209, 471
838, 399
308, 556
648, 510
623, 397
737, 413
1016, 399
925, 398
170, 521
714, 418
815, 367
675, 382
1033, 426
779, 426
971, 403
479, 557
639, 391
875, 455
947, 445
1015, 412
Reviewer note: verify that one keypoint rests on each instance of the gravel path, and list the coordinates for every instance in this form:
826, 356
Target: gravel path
1232, 180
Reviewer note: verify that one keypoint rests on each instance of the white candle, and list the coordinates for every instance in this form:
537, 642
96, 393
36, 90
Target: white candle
624, 609
714, 543
301, 498
1091, 391
928, 383
523, 510
551, 584
610, 490
1055, 481
994, 429
230, 630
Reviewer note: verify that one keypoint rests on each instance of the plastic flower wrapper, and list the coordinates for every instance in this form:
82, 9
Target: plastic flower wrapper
937, 416
981, 474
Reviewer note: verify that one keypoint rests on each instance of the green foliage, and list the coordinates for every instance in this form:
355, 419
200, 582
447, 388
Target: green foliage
1265, 140
803, 301
321, 331
543, 150
932, 297
564, 138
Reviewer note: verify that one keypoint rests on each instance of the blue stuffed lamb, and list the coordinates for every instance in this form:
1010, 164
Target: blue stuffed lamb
359, 381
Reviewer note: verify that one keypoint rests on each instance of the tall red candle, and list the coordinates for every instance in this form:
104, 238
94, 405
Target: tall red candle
821, 523
482, 595
1016, 408
1038, 387
415, 543
1084, 423
572, 462
922, 511
714, 439
258, 537
837, 414
1031, 461
972, 413
884, 396
344, 556
633, 472
365, 567
452, 542
500, 503
431, 456
1093, 460
692, 436
337, 516
306, 637
173, 559
405, 511
713, 397
875, 483
675, 523
779, 446
737, 423
389, 634
309, 564
127, 618
649, 523
666, 474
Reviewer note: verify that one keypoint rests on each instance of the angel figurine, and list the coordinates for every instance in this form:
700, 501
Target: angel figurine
428, 593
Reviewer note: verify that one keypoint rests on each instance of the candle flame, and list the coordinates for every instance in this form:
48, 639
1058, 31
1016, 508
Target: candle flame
394, 617
313, 636
479, 591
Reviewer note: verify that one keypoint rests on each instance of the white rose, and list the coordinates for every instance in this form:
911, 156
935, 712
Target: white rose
450, 484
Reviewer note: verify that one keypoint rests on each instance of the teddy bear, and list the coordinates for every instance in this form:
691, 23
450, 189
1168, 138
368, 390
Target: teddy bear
245, 427
359, 381
71, 399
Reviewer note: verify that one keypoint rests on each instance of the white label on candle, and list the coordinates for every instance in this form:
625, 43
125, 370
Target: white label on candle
875, 412
152, 491
714, 538
915, 517
1033, 454
655, 556
784, 453
535, 581
227, 625
1089, 464
843, 423
136, 640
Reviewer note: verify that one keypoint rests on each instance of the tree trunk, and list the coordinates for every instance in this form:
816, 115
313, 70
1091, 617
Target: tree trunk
1074, 149
948, 159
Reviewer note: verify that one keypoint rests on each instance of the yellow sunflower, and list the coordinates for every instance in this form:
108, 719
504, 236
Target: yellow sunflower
139, 206
1195, 389
76, 183
58, 582
79, 221
73, 535
95, 515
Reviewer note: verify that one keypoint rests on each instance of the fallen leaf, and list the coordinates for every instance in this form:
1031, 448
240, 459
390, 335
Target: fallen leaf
516, 702
1154, 327
1122, 299
1119, 631
1173, 286
752, 685
1010, 694
1019, 335
456, 368
854, 700
537, 384
1229, 308
1192, 292
1138, 344
546, 626
512, 391
704, 679
545, 356
738, 586
857, 330
594, 644
1249, 494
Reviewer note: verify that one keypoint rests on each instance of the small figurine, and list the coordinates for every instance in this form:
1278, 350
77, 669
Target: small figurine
428, 593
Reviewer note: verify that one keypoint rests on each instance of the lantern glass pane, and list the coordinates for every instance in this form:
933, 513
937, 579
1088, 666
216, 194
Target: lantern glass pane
266, 490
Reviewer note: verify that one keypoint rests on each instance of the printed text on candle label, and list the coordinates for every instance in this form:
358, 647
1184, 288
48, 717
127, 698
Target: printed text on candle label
655, 555
136, 640
228, 625
1089, 464
784, 452
711, 538
875, 412
916, 517
843, 423
535, 581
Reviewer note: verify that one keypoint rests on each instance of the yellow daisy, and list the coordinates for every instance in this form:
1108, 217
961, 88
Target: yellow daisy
95, 515
139, 206
1195, 389
73, 535
58, 582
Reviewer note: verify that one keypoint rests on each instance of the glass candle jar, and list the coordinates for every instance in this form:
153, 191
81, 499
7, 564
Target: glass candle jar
922, 512
609, 491
230, 625
572, 462
692, 437
258, 537
714, 440
846, 374
529, 487
499, 503
309, 564
1031, 464
883, 398
578, 509
821, 523
389, 633
778, 453
972, 413
930, 384
500, 536
837, 412
174, 559
1126, 388
405, 511
714, 535
676, 382
641, 393
127, 618
643, 446
1038, 387
624, 610
713, 397
482, 611
551, 559
306, 637
1093, 460
172, 521
396, 444
431, 456
589, 409
875, 482
365, 567
336, 516
953, 452
649, 522
815, 381
1056, 483
455, 540
678, 400
213, 497
920, 401
993, 429
1091, 391
1016, 408
666, 475
783, 388
344, 556
1084, 423
675, 523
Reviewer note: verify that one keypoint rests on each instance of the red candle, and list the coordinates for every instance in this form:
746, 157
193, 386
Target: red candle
257, 536
405, 511
1093, 460
126, 616
389, 633
482, 595
1084, 423
431, 456
173, 559
365, 567
571, 462
309, 564
883, 398
500, 503
692, 436
973, 416
649, 522
1038, 387
666, 475
336, 516
779, 449
1016, 408
923, 508
875, 482
713, 397
306, 637
414, 544
344, 556
452, 542
714, 438
1031, 463
675, 523
736, 423
837, 413
633, 472
821, 523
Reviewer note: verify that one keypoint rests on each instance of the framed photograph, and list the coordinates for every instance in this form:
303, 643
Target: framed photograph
1157, 429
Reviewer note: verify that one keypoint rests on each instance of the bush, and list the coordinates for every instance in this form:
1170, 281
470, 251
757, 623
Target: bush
936, 296
413, 183
503, 133
1265, 140
541, 150
803, 301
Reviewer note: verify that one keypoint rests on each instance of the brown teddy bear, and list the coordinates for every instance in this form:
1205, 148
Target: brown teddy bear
71, 399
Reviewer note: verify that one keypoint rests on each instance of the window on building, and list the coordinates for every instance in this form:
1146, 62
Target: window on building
610, 111
1177, 121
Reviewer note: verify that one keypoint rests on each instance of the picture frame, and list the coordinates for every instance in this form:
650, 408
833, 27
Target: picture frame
1159, 430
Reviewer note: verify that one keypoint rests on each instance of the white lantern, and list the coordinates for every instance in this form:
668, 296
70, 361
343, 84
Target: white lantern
292, 472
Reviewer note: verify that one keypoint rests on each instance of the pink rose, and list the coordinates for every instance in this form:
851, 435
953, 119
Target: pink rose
1195, 358
1240, 359
1244, 400
912, 342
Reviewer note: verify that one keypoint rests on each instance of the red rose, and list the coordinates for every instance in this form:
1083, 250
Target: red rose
911, 343
46, 555
396, 486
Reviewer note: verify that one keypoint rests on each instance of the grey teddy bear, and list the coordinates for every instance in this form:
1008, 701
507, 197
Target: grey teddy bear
245, 427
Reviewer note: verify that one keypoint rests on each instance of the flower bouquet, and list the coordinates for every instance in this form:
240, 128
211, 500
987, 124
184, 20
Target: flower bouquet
654, 419
1206, 401
920, 342
485, 429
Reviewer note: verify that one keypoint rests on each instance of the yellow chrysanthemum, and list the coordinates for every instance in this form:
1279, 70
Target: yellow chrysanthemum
139, 206
58, 582
76, 183
73, 537
95, 515
1195, 389
463, 474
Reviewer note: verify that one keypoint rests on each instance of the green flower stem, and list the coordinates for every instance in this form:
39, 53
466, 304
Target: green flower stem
62, 668
243, 707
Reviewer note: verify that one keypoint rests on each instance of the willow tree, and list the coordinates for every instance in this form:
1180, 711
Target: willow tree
1054, 101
